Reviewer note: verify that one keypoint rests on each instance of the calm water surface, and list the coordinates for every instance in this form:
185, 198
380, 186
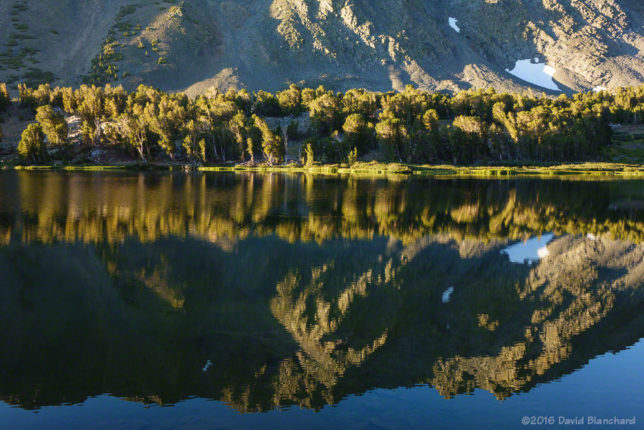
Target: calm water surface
131, 300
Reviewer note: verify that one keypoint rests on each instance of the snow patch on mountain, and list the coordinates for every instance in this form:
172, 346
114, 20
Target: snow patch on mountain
539, 74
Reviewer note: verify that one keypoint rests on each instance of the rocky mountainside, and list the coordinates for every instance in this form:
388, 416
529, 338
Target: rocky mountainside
195, 45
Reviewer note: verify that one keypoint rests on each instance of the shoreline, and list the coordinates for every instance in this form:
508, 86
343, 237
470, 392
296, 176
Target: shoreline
582, 169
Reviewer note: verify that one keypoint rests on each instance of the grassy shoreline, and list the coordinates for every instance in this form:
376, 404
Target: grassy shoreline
590, 169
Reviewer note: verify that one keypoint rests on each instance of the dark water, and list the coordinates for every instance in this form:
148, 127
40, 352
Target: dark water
268, 301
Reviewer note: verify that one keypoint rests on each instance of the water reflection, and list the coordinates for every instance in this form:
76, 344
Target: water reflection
532, 250
266, 291
92, 208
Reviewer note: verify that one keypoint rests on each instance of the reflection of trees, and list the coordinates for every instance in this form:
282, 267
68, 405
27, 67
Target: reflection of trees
291, 322
93, 209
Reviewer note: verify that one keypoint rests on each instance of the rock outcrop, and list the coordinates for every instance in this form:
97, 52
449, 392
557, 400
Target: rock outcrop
195, 45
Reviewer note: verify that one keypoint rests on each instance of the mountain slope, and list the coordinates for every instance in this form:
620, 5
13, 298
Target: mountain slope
198, 44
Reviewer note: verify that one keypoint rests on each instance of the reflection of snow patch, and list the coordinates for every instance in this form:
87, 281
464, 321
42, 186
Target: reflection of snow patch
452, 23
447, 295
591, 236
207, 366
531, 250
599, 89
543, 252
536, 73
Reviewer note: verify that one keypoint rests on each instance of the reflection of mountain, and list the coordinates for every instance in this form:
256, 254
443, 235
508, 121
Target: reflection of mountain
112, 207
506, 328
306, 323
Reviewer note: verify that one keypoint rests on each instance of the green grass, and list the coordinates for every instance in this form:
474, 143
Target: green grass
571, 170
92, 168
326, 169
606, 170
594, 169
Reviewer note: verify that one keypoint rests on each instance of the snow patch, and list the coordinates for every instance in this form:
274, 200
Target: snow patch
531, 250
536, 73
207, 366
600, 89
447, 295
452, 23
591, 236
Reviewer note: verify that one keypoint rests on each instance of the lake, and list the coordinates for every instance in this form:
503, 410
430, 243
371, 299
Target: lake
164, 300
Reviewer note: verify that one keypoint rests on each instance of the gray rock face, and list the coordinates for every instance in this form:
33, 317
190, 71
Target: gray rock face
195, 45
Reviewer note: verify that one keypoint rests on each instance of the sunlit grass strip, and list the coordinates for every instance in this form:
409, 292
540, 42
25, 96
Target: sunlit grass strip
326, 169
91, 168
585, 169
594, 170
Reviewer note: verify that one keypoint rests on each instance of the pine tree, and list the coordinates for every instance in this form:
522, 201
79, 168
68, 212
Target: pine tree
239, 128
134, 132
391, 133
358, 133
250, 148
272, 144
53, 124
308, 158
192, 144
353, 156
32, 144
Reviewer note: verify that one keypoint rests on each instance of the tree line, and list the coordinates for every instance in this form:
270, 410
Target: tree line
412, 126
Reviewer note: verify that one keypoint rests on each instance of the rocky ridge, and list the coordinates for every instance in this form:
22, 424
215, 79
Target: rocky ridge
195, 45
